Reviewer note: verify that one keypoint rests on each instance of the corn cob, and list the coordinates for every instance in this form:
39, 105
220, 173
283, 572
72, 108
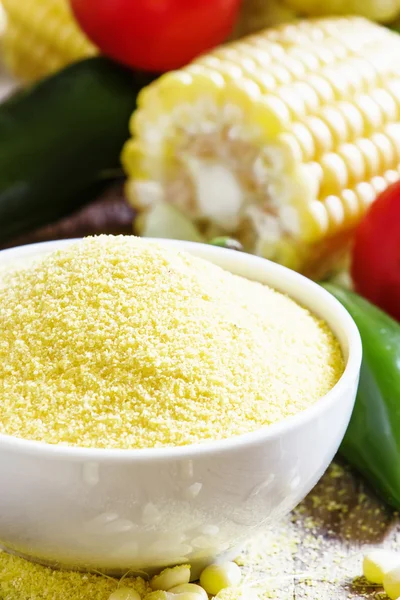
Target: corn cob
41, 37
383, 11
281, 140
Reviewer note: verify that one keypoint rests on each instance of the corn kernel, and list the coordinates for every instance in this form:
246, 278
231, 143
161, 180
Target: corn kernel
391, 583
304, 139
216, 577
354, 160
335, 173
336, 122
294, 102
386, 104
377, 563
385, 149
351, 204
191, 588
372, 114
171, 577
271, 113
372, 159
321, 134
159, 595
308, 95
335, 210
379, 184
353, 118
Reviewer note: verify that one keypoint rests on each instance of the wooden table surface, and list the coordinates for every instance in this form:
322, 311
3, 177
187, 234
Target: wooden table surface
316, 552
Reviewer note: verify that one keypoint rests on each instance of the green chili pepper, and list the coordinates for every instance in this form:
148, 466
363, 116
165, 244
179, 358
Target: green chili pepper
372, 440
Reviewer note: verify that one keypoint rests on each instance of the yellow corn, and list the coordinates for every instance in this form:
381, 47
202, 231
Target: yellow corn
383, 11
41, 37
281, 140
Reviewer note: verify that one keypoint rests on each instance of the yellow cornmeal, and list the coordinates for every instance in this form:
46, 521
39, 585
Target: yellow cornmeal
22, 580
116, 342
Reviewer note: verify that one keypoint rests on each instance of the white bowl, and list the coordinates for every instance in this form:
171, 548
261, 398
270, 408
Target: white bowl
114, 510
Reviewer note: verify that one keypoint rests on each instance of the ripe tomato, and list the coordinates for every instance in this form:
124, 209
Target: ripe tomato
376, 254
156, 35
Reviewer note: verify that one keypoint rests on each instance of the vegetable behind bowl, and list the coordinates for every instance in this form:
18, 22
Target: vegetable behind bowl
273, 142
375, 266
60, 142
372, 440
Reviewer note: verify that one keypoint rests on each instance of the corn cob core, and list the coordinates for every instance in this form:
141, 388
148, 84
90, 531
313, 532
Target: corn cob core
41, 37
281, 140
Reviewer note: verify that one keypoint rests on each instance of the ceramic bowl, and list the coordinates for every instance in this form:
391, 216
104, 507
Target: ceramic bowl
114, 510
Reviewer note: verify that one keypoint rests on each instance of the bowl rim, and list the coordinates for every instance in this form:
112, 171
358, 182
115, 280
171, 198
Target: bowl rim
267, 432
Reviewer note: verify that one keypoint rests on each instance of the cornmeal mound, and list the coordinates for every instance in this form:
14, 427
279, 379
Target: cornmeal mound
117, 342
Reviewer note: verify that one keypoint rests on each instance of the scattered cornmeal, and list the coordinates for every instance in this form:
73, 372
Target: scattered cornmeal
116, 342
22, 580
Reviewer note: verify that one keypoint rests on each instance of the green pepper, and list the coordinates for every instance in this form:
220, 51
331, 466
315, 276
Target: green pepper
372, 440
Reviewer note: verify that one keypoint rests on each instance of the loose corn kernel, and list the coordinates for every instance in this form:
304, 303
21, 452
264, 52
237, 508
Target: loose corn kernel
159, 595
190, 587
377, 563
391, 583
216, 577
171, 577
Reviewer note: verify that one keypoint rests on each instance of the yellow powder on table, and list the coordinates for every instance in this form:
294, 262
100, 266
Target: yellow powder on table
23, 580
116, 342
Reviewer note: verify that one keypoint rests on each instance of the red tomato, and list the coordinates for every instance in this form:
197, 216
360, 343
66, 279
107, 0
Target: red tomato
156, 35
376, 254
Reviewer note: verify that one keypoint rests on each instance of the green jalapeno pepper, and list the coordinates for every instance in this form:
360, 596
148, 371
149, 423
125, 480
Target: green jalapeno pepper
372, 440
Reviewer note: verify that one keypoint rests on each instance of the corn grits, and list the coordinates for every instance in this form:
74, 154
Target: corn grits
116, 342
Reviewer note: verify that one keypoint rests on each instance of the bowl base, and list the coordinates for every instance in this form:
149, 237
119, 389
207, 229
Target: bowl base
196, 566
